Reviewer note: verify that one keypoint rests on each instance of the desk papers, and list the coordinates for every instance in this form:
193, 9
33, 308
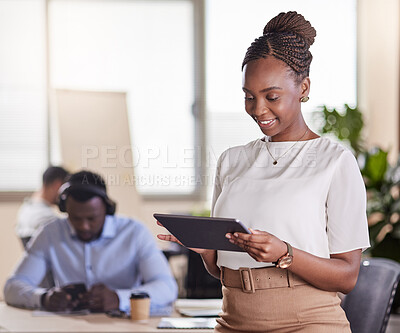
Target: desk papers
199, 307
188, 323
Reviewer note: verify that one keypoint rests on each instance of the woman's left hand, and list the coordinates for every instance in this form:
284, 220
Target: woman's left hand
260, 245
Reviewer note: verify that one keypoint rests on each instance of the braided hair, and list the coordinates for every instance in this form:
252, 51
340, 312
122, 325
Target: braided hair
287, 37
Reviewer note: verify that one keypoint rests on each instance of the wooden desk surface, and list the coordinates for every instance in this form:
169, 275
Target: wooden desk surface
21, 320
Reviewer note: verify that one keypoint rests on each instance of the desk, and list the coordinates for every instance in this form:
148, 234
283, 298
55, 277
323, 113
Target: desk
21, 320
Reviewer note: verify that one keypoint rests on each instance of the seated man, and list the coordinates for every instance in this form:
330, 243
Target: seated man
38, 209
111, 255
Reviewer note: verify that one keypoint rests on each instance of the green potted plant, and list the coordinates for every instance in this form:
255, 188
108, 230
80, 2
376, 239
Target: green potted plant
382, 181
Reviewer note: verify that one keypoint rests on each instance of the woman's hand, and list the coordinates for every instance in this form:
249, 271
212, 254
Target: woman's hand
172, 238
260, 245
337, 273
209, 257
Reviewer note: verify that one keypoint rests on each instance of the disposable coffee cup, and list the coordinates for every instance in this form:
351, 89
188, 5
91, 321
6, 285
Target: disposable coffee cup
140, 306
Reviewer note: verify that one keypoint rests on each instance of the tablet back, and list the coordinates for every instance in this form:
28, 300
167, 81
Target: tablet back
202, 232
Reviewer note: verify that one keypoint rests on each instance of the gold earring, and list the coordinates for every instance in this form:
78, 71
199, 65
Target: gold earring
304, 99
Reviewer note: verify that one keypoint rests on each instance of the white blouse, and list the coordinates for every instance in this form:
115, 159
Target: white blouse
314, 197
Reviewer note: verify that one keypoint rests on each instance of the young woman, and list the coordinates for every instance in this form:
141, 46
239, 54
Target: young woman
302, 197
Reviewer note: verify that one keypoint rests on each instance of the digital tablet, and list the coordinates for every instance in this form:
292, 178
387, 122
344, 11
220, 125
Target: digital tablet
202, 232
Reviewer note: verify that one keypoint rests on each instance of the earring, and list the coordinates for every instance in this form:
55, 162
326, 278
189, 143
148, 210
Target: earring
304, 99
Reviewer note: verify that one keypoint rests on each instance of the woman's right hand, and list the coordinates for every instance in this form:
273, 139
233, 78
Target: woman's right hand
172, 238
209, 257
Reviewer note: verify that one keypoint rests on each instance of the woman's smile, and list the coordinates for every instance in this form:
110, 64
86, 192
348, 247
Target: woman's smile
266, 124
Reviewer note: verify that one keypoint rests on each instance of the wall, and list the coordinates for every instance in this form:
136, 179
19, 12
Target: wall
94, 134
378, 71
10, 246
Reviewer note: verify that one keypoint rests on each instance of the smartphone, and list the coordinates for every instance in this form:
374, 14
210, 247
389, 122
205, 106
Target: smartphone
75, 290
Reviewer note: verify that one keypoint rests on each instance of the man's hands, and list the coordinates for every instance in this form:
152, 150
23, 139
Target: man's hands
98, 299
57, 299
101, 299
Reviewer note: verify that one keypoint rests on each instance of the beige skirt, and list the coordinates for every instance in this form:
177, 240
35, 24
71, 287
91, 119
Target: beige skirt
275, 300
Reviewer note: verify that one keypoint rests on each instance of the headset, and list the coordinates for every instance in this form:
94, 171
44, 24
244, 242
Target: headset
68, 187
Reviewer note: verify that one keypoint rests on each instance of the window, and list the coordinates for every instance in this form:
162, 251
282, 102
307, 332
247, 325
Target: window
23, 101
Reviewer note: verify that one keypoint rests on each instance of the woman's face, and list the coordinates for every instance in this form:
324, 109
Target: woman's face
272, 98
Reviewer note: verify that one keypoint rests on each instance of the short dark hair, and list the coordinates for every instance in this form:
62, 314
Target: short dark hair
287, 37
86, 178
53, 173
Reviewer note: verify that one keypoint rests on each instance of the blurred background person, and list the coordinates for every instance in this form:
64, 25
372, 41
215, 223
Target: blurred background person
39, 208
106, 255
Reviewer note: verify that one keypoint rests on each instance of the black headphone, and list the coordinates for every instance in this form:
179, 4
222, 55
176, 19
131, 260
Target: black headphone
68, 187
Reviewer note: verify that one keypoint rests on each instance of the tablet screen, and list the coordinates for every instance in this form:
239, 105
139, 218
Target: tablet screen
202, 232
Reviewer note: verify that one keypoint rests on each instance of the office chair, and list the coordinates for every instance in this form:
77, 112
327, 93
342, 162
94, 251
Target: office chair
368, 305
199, 283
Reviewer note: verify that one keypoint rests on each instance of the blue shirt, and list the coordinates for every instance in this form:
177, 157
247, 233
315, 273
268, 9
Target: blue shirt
125, 258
